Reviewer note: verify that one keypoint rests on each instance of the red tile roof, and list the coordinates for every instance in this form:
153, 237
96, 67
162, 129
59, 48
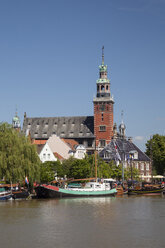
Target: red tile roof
71, 142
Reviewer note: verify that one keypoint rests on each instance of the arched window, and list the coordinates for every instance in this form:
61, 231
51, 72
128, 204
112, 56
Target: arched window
97, 87
102, 88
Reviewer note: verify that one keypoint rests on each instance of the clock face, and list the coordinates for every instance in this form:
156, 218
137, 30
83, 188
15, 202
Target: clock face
102, 107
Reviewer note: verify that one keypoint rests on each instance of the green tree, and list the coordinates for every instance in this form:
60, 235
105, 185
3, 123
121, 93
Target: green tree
104, 170
49, 170
128, 171
79, 169
155, 149
18, 157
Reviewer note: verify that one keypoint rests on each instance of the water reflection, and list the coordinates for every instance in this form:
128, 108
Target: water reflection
81, 222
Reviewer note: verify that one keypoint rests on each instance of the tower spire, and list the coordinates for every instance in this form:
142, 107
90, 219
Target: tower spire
102, 55
122, 114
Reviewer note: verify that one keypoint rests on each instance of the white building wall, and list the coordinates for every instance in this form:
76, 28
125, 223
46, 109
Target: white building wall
80, 152
46, 154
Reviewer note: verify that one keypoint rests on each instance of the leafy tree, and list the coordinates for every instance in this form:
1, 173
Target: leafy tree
79, 169
18, 157
104, 169
155, 148
49, 170
135, 173
67, 164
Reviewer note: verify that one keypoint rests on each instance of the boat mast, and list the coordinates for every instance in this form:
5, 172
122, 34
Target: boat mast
95, 165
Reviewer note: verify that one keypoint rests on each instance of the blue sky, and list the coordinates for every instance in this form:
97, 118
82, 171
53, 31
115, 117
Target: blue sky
50, 52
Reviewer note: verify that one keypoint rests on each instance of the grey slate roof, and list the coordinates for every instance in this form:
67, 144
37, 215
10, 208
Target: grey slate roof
109, 152
64, 127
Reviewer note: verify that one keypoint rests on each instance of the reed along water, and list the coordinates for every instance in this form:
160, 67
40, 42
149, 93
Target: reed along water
86, 222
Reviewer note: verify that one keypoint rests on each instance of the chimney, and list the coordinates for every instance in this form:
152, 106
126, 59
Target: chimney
130, 139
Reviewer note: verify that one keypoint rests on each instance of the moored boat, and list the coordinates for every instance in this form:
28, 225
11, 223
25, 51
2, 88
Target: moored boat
5, 194
16, 191
150, 189
91, 189
20, 194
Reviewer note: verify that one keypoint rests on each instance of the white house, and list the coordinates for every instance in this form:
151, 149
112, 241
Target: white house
46, 154
80, 152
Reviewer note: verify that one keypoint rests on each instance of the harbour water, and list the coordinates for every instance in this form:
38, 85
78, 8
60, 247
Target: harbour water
86, 222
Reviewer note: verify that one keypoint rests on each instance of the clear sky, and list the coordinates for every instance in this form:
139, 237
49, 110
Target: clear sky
50, 52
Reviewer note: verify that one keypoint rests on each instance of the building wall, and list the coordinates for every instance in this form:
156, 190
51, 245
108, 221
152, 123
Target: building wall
103, 118
46, 154
145, 169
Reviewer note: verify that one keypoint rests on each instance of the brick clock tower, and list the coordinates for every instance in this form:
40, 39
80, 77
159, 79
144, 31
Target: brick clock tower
103, 108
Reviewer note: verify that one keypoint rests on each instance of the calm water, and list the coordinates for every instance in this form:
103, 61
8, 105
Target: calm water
89, 222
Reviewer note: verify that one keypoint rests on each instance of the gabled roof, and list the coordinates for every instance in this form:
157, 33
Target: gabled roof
39, 148
64, 127
71, 142
39, 142
124, 147
57, 155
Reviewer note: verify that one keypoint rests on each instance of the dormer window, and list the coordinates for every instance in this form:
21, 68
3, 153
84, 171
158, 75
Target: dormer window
62, 134
80, 133
36, 134
71, 134
133, 154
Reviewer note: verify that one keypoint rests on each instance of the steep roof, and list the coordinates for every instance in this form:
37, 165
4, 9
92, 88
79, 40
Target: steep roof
71, 142
57, 155
64, 127
123, 147
39, 148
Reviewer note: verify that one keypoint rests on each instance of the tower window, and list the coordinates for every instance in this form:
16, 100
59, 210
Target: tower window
102, 88
97, 87
102, 128
102, 107
107, 87
102, 116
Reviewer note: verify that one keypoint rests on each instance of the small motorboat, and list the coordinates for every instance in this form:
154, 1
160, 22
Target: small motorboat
5, 194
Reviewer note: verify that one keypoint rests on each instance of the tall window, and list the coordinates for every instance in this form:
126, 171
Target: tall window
142, 166
102, 143
147, 167
102, 128
102, 116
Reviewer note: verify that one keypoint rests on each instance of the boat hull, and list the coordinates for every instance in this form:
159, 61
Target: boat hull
156, 191
20, 195
46, 191
5, 197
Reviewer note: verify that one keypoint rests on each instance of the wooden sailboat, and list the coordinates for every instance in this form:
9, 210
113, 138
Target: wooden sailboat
90, 189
